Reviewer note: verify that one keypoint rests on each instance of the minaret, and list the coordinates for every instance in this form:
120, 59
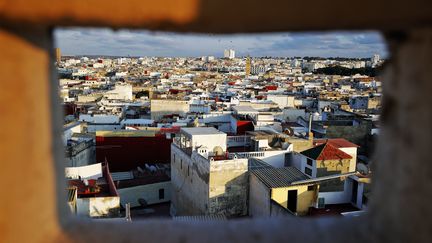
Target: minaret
58, 55
248, 66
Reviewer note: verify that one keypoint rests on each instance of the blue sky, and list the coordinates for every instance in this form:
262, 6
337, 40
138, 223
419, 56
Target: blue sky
91, 41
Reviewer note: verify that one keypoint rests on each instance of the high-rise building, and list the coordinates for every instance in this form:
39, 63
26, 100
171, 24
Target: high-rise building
375, 59
58, 55
229, 53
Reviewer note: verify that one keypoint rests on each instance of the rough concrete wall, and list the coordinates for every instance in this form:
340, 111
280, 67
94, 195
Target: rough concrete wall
85, 157
35, 213
228, 187
403, 168
104, 206
159, 108
300, 144
27, 146
355, 134
276, 210
353, 161
190, 183
331, 167
149, 192
204, 16
259, 198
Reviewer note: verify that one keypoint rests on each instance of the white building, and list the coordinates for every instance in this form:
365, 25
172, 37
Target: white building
94, 192
283, 101
120, 92
204, 180
229, 53
375, 59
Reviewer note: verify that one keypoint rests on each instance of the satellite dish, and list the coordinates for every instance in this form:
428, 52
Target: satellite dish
218, 151
289, 131
362, 168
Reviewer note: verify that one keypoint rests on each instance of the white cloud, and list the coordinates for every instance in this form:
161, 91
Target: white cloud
88, 41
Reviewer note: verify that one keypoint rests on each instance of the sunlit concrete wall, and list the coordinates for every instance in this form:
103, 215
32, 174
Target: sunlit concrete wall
305, 198
159, 108
228, 183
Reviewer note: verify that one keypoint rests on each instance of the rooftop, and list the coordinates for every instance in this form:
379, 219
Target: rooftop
325, 151
255, 164
243, 109
279, 177
201, 131
126, 133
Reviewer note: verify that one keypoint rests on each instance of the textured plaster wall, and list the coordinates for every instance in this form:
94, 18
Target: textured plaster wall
259, 198
190, 191
228, 187
149, 192
159, 108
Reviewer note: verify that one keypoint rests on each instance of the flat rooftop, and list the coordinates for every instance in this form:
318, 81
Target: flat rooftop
201, 131
244, 109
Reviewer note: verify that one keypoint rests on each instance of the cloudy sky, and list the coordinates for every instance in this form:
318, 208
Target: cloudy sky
80, 41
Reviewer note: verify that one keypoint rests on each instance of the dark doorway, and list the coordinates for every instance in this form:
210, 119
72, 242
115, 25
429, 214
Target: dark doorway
292, 200
161, 194
354, 192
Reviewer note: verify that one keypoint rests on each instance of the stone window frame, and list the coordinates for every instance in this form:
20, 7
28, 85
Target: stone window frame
36, 207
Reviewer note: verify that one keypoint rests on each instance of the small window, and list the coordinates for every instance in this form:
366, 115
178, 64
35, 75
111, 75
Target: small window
311, 188
181, 164
321, 202
309, 162
308, 171
161, 194
188, 170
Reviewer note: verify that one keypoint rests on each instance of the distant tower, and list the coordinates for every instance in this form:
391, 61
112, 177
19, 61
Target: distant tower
229, 53
248, 66
58, 55
375, 60
226, 53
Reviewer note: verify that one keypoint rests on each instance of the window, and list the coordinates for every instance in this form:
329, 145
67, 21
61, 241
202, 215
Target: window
321, 202
161, 194
181, 164
308, 171
188, 171
309, 162
311, 188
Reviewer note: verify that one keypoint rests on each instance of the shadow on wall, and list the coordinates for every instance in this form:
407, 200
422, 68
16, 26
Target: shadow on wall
233, 202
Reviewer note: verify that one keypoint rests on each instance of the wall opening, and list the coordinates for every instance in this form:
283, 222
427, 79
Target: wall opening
291, 105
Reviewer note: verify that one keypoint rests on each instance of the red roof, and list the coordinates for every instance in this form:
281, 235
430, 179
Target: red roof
325, 151
336, 142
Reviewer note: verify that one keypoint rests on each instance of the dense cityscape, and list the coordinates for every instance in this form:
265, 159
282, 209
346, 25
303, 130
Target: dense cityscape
218, 138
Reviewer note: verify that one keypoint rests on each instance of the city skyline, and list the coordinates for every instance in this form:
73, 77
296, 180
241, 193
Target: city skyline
93, 41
